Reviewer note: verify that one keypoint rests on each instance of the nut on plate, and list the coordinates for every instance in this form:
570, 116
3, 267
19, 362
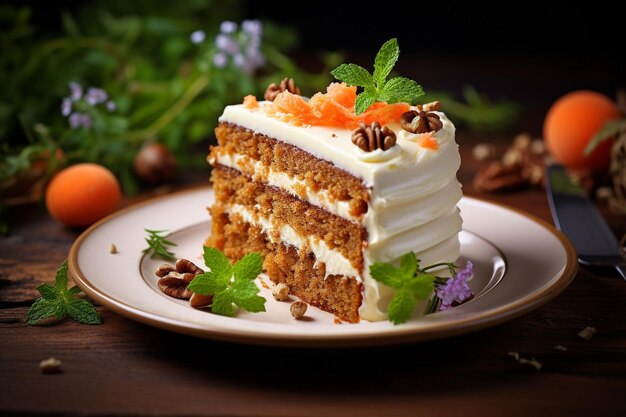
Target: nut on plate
175, 279
174, 287
281, 292
298, 309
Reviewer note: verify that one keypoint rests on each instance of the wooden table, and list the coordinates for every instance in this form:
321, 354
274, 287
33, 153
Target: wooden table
126, 368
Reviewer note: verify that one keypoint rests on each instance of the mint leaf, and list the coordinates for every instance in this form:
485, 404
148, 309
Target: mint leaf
42, 309
387, 274
83, 312
223, 304
408, 265
422, 285
73, 291
49, 292
364, 100
242, 288
400, 89
58, 301
401, 306
353, 74
254, 304
385, 61
217, 262
249, 267
209, 283
60, 279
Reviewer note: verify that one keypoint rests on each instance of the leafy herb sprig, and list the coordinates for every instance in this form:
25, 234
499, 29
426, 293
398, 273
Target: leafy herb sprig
58, 301
413, 283
376, 87
231, 285
158, 245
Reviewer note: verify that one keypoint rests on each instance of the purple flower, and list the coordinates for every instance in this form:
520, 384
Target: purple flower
111, 106
76, 91
220, 60
197, 37
75, 120
85, 121
240, 61
456, 290
95, 96
228, 27
252, 27
66, 107
226, 44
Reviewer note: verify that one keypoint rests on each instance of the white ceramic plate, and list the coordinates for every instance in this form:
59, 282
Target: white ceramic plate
520, 263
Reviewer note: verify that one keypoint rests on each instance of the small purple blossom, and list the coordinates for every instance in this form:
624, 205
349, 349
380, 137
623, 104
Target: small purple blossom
226, 44
95, 96
111, 106
220, 60
75, 120
252, 27
66, 107
85, 121
456, 289
197, 37
228, 27
76, 91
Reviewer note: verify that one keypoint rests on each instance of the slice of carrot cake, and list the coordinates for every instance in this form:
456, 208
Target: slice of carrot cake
323, 201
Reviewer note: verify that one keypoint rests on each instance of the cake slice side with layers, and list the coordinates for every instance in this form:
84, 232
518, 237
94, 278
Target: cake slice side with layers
321, 211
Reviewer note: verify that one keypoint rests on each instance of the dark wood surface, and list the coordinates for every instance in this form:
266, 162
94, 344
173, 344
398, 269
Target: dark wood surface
126, 368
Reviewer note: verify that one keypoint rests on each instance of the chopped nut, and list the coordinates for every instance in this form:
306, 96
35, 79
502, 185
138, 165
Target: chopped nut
199, 300
432, 106
538, 147
512, 157
560, 347
174, 287
497, 177
287, 84
164, 270
420, 121
281, 292
112, 249
604, 193
483, 151
532, 362
587, 333
372, 137
298, 309
522, 141
515, 355
50, 366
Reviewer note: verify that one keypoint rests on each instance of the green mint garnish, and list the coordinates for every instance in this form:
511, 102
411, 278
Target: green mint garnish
376, 87
58, 301
231, 286
413, 283
158, 245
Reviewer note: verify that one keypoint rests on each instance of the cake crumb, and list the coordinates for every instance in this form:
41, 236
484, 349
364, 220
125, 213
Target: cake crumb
281, 293
587, 333
298, 309
515, 355
50, 366
264, 284
531, 362
112, 249
333, 135
560, 348
338, 320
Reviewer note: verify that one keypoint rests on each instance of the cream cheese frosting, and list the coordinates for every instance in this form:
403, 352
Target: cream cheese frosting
413, 194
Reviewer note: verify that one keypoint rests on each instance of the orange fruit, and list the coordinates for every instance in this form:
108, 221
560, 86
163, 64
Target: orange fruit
82, 194
570, 124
